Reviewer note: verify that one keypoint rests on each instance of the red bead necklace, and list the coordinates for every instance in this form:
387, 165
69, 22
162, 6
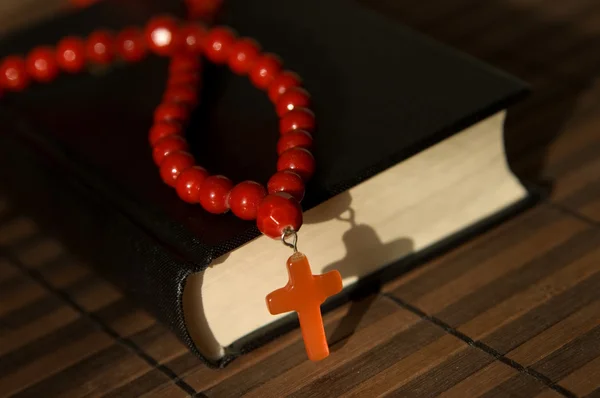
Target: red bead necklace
276, 208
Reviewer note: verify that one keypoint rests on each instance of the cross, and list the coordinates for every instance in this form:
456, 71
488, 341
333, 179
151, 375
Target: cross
304, 293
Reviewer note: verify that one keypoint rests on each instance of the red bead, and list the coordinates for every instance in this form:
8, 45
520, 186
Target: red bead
278, 212
168, 145
192, 37
287, 181
189, 182
13, 74
184, 64
161, 130
218, 44
294, 97
245, 198
99, 47
264, 70
214, 194
294, 139
185, 95
183, 79
281, 83
70, 54
130, 44
243, 55
171, 112
299, 160
297, 119
173, 164
161, 35
41, 64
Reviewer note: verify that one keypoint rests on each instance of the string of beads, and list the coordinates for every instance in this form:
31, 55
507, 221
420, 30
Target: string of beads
276, 207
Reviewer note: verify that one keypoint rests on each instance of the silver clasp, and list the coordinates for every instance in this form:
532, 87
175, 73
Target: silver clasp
290, 233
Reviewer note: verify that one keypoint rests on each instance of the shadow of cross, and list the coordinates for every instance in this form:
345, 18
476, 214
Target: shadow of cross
304, 293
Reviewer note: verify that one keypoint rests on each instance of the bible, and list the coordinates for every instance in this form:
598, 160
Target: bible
410, 148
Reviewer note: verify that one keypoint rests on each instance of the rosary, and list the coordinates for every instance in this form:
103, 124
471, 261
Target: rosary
276, 208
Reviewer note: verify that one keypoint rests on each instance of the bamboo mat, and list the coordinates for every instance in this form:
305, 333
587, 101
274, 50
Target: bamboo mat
514, 312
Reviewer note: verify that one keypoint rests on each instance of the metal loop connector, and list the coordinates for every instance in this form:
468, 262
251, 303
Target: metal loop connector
290, 233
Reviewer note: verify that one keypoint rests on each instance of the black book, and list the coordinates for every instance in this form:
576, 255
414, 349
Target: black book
409, 147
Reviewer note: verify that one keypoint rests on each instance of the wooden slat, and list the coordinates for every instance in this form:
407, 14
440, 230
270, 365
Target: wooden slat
560, 363
19, 292
547, 326
39, 252
62, 356
529, 349
157, 341
571, 356
288, 355
40, 355
374, 333
481, 381
7, 271
15, 230
523, 299
519, 385
585, 380
111, 367
149, 383
401, 375
168, 389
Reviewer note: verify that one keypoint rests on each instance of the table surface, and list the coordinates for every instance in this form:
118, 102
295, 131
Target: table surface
513, 312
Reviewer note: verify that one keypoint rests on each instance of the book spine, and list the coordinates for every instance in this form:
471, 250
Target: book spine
96, 232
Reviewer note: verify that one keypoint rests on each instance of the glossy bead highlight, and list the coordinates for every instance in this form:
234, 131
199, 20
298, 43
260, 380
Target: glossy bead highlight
297, 119
192, 38
100, 47
287, 181
245, 198
281, 83
189, 182
214, 194
244, 54
278, 212
218, 44
294, 97
13, 74
264, 70
41, 64
168, 145
161, 35
298, 160
173, 164
130, 45
70, 54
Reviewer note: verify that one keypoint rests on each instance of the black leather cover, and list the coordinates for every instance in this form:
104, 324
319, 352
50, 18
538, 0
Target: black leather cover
381, 93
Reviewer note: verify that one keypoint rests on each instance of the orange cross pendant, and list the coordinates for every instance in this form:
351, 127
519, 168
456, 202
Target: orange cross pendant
304, 293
